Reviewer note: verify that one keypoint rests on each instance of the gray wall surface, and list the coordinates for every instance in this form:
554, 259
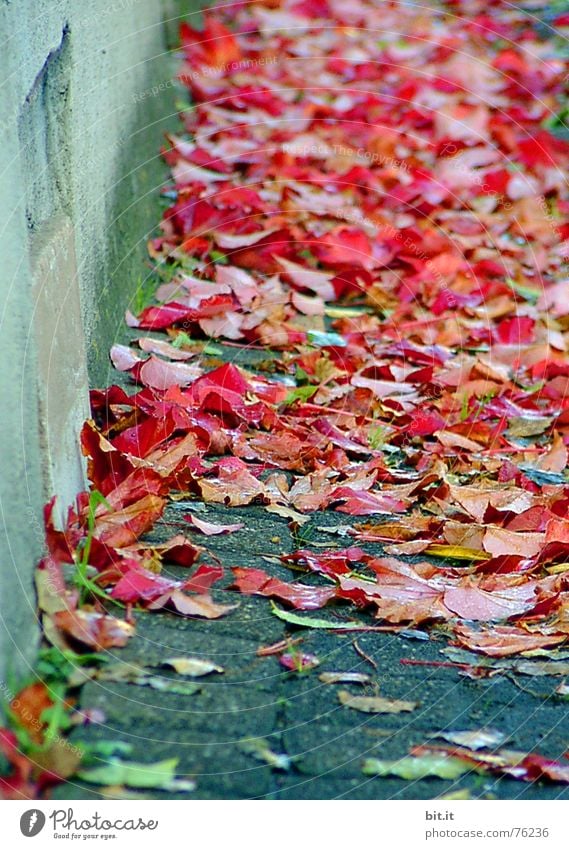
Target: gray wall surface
80, 132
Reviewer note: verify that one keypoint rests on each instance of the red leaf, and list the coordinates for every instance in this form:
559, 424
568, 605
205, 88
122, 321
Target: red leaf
18, 783
299, 662
167, 315
518, 330
424, 423
300, 596
141, 585
179, 550
328, 562
107, 467
366, 503
214, 45
345, 246
140, 440
203, 578
122, 527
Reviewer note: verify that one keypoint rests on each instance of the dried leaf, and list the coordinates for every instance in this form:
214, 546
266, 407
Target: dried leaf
211, 529
344, 678
128, 673
483, 738
259, 749
93, 629
193, 667
375, 704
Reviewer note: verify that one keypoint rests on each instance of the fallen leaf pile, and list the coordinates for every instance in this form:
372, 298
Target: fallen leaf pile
375, 200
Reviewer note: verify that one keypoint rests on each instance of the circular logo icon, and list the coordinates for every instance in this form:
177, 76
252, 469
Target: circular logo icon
32, 822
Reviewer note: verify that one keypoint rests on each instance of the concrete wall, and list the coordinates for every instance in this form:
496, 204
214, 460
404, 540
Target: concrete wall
79, 172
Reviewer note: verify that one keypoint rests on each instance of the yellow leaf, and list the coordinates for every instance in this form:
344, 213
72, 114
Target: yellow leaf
344, 312
558, 569
458, 552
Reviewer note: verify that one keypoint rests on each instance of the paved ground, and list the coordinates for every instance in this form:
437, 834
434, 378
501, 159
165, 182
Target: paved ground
296, 713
